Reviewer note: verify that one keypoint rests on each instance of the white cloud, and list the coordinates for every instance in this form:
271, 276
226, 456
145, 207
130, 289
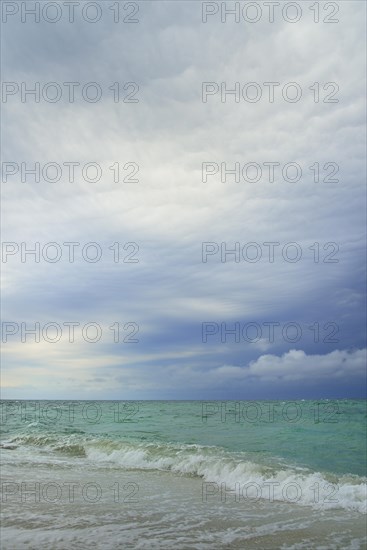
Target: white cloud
169, 133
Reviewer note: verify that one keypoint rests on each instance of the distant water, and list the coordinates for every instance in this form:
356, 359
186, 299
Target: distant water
164, 474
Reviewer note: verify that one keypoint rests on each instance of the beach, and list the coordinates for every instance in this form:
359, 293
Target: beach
166, 474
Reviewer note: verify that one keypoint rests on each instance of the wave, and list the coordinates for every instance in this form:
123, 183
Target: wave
221, 471
71, 445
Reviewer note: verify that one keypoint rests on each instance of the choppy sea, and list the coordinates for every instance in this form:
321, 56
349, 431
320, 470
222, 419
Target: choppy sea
183, 474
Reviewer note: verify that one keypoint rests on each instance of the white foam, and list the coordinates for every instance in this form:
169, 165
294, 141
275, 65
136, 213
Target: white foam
247, 479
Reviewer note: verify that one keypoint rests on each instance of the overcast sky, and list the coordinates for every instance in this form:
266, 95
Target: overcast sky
178, 305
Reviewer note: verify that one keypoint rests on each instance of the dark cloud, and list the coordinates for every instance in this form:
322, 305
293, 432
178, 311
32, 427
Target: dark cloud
170, 212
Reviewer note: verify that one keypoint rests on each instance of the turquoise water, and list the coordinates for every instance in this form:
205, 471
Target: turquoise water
222, 472
326, 436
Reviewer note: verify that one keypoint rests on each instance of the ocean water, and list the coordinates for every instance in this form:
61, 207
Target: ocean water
183, 474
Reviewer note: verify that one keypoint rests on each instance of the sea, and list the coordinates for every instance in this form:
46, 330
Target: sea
183, 475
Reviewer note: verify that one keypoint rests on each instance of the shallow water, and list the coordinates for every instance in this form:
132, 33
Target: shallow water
183, 475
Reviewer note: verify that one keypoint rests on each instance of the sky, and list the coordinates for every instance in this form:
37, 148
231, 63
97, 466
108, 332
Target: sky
190, 319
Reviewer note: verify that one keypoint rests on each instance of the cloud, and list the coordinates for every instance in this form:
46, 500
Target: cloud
297, 366
171, 211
